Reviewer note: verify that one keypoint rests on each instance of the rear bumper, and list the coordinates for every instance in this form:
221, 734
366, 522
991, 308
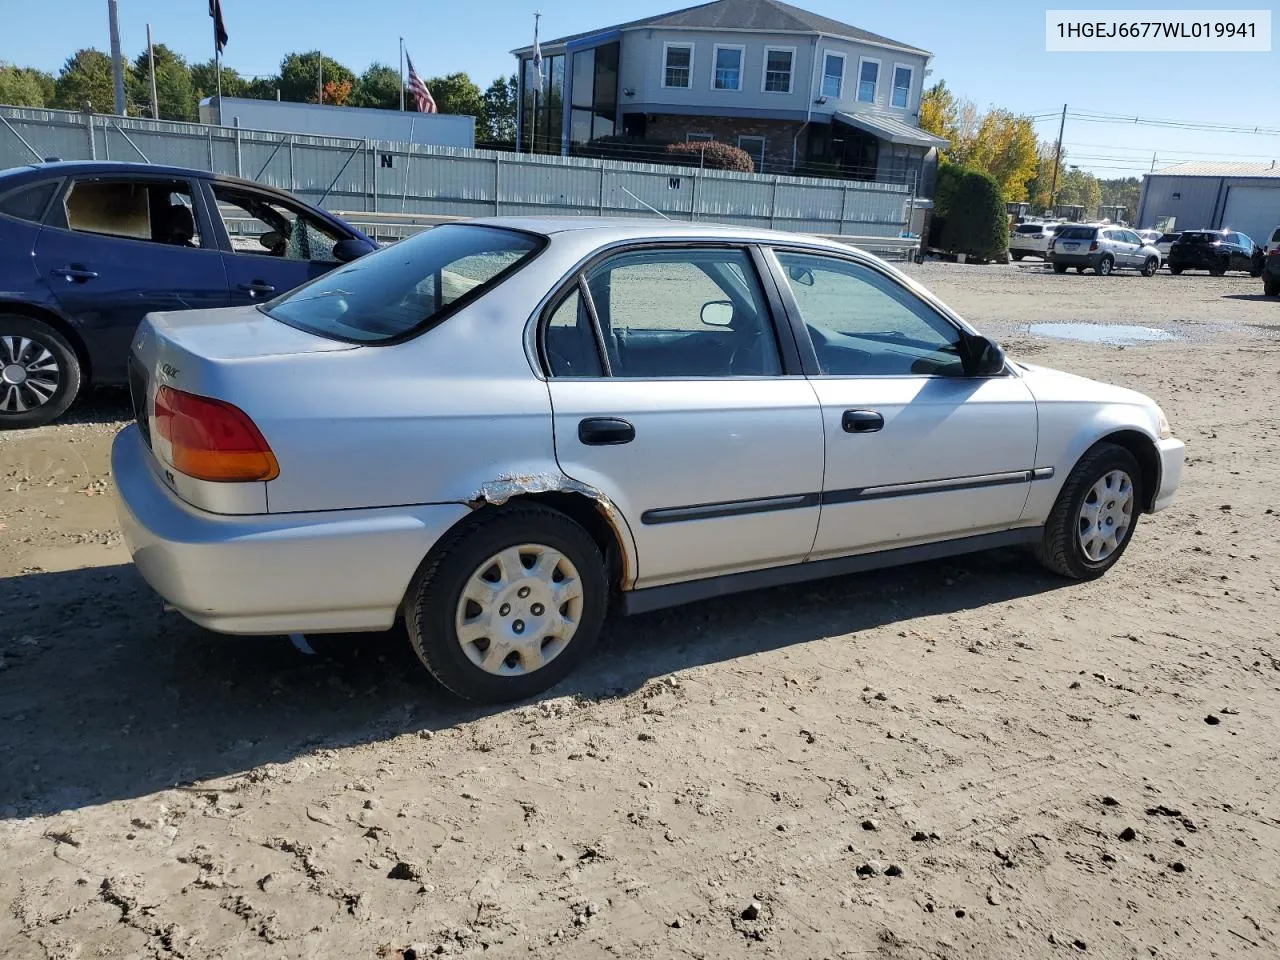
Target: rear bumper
1028, 249
335, 571
1076, 259
1172, 454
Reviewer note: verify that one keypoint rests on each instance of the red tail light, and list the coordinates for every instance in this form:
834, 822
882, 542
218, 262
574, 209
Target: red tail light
1093, 246
211, 439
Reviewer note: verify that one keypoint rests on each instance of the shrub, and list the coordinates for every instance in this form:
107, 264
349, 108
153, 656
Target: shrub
971, 214
712, 155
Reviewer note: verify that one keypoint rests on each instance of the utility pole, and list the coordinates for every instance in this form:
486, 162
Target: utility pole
402, 74
1057, 159
117, 59
151, 65
1153, 163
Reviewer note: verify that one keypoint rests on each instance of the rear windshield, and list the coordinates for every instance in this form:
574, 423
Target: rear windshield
400, 290
1078, 233
1030, 228
1194, 236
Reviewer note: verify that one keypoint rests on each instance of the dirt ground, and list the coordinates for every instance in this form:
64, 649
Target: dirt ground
1021, 767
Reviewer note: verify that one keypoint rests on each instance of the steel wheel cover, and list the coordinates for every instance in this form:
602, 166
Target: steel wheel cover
29, 374
519, 610
1106, 515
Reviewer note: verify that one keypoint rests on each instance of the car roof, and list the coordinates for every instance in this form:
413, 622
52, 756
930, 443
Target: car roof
609, 229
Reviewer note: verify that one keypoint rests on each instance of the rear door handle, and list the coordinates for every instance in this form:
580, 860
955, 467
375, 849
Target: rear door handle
76, 272
605, 431
861, 421
257, 288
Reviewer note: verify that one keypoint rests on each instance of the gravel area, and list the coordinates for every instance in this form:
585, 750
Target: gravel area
966, 758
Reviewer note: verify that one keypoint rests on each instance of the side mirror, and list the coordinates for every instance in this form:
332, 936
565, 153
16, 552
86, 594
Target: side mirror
983, 357
353, 248
801, 275
717, 313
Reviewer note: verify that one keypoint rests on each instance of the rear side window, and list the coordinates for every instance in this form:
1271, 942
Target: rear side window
156, 211
29, 203
401, 289
1078, 233
1030, 228
1192, 236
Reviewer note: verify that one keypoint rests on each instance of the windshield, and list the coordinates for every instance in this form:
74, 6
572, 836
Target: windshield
399, 290
1078, 233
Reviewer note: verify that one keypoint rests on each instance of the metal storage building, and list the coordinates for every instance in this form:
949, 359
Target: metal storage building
356, 123
1214, 196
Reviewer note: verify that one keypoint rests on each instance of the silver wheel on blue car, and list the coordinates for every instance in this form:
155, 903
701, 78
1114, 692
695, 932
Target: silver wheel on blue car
39, 372
509, 603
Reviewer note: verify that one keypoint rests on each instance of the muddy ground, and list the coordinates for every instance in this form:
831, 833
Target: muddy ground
1022, 767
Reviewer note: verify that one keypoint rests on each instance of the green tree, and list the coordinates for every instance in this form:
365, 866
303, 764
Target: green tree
1124, 192
1041, 185
300, 76
1078, 187
497, 122
86, 78
262, 88
204, 81
25, 86
938, 111
1005, 147
457, 93
976, 223
379, 87
174, 87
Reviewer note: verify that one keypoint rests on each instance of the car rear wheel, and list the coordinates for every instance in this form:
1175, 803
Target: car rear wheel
1271, 288
1176, 271
1018, 256
1059, 268
509, 604
1219, 270
1094, 517
1105, 266
39, 373
1151, 266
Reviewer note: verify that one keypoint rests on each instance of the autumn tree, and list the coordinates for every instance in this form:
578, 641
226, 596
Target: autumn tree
938, 111
337, 92
379, 86
997, 143
300, 76
25, 86
174, 88
86, 77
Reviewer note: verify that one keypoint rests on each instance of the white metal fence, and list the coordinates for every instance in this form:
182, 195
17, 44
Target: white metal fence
375, 176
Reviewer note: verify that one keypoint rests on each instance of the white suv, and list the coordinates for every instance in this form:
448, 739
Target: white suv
1030, 239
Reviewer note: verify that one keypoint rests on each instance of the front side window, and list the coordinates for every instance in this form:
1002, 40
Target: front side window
728, 68
29, 203
868, 79
151, 210
832, 75
403, 288
677, 71
777, 70
264, 226
901, 87
864, 324
683, 313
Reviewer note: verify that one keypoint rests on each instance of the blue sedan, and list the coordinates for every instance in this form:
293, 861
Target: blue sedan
87, 249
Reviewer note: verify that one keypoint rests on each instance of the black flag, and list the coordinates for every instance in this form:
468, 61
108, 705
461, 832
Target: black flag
219, 28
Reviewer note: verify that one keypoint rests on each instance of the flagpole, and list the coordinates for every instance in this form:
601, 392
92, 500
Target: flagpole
402, 74
537, 83
217, 60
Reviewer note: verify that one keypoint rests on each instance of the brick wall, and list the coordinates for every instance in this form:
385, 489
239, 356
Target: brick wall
778, 134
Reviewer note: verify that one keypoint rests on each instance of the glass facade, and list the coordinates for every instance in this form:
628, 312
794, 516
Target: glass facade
540, 124
594, 99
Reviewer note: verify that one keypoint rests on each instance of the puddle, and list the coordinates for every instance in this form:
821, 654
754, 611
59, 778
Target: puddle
1113, 334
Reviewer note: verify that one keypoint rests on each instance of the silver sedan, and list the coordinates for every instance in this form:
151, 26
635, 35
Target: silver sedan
496, 430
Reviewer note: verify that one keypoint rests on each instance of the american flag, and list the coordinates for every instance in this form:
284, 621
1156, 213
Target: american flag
421, 95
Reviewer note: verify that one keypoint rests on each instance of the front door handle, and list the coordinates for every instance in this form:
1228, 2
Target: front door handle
861, 421
605, 432
258, 288
76, 272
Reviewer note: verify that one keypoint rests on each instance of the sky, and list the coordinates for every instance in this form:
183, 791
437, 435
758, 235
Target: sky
992, 52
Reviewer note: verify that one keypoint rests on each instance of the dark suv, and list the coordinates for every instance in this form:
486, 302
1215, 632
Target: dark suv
1216, 251
1271, 274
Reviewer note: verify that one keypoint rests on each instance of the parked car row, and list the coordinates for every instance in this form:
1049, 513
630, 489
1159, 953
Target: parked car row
1102, 250
83, 248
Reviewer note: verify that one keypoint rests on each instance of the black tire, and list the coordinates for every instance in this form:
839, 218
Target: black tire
1060, 549
65, 373
1271, 288
1151, 266
1218, 271
1017, 256
1059, 268
432, 600
1256, 272
1105, 266
1176, 271
1079, 269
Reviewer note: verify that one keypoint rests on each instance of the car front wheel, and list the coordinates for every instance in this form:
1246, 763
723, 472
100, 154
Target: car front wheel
509, 604
1150, 267
1059, 268
1094, 516
39, 373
